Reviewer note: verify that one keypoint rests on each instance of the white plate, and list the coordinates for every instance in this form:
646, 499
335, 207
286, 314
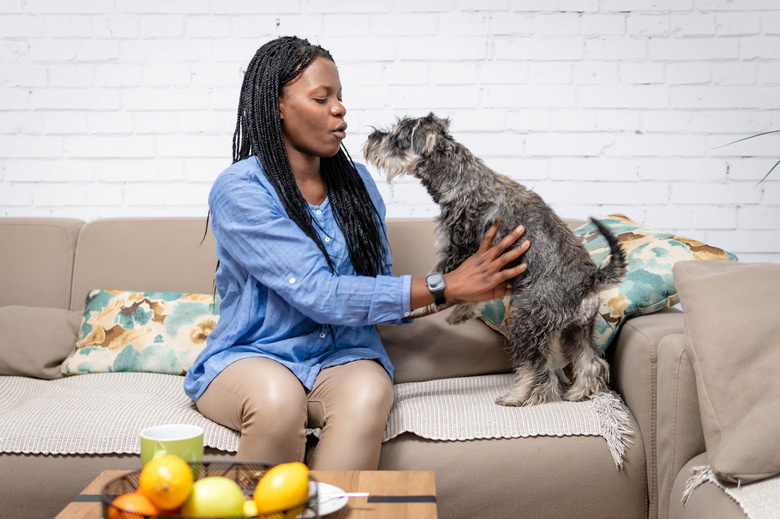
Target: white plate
325, 505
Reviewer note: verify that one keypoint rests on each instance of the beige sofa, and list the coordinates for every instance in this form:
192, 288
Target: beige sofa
49, 264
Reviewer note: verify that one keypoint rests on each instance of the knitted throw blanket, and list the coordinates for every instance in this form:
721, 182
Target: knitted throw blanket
464, 408
104, 413
97, 413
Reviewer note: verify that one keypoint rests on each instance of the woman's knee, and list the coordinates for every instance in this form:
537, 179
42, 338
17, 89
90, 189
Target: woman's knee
375, 394
272, 410
263, 394
360, 390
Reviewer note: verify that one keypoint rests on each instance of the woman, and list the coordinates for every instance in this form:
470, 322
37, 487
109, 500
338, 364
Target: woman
304, 275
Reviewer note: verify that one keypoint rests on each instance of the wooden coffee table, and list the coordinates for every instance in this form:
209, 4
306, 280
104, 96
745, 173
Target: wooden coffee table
393, 494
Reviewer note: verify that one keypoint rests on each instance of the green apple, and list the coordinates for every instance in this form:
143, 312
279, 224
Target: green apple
214, 496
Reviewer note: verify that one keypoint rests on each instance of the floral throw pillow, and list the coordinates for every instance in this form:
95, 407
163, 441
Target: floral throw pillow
647, 287
158, 332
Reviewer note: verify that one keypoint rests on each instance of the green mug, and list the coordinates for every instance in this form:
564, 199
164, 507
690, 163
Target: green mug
183, 440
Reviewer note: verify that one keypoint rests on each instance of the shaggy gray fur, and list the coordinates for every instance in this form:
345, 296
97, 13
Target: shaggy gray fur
556, 299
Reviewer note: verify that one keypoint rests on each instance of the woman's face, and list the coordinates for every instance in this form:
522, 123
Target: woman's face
311, 111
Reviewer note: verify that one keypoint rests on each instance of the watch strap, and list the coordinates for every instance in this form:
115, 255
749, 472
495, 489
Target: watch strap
436, 285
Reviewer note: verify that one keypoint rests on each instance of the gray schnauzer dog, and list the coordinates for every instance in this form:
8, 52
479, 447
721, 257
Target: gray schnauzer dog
555, 300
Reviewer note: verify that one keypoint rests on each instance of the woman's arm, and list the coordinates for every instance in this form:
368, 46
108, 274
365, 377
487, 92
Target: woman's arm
260, 244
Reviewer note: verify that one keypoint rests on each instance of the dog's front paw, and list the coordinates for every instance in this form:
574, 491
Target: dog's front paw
578, 394
510, 400
532, 392
462, 313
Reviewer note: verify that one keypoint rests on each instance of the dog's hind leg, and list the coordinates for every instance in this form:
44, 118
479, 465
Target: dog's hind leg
535, 378
591, 370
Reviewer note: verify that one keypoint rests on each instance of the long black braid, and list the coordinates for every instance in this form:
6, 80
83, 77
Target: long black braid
259, 132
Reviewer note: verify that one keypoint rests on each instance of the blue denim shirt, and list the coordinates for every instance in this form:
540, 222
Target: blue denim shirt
280, 299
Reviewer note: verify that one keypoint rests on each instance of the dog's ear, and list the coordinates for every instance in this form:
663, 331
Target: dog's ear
430, 143
441, 123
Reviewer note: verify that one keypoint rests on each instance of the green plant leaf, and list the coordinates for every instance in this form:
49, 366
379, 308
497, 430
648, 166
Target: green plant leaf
753, 137
768, 172
746, 138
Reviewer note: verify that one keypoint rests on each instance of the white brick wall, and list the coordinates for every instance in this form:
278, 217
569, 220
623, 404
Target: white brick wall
127, 107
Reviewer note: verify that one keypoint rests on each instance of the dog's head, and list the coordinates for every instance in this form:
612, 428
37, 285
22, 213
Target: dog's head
399, 149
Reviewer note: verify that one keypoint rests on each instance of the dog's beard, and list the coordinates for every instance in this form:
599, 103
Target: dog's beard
393, 165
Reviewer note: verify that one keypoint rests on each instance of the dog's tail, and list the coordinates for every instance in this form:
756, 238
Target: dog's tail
614, 271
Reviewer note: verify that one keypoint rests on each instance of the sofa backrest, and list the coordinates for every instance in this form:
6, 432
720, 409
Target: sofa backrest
36, 261
143, 255
54, 262
412, 243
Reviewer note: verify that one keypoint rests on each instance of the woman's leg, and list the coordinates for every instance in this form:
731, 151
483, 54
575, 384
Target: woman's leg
352, 404
265, 402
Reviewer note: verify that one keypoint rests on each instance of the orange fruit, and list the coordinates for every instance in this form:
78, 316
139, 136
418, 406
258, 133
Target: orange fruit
167, 481
283, 487
132, 506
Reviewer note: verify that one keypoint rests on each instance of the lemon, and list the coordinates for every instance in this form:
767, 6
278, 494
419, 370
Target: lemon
283, 487
167, 481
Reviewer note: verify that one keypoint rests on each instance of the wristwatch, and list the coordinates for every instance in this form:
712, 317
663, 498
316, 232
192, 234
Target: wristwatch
437, 285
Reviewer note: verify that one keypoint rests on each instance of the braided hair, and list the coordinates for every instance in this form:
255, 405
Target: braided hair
259, 133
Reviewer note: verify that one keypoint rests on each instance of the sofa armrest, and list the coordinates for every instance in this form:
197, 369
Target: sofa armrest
633, 357
680, 433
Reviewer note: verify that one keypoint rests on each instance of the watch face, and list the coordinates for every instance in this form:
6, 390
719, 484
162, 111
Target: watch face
435, 282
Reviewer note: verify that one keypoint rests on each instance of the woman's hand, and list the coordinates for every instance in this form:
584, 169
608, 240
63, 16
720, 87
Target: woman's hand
483, 276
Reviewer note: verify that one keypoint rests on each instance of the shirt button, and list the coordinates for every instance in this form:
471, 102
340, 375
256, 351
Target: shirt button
318, 212
407, 314
322, 335
292, 280
327, 239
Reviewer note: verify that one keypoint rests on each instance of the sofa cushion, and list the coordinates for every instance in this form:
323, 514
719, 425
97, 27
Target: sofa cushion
36, 255
535, 477
734, 344
649, 282
158, 332
429, 348
34, 341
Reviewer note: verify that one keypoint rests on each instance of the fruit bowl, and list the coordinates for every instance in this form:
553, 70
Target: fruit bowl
247, 475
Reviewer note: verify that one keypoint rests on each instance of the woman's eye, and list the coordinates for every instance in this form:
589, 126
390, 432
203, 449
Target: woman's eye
321, 101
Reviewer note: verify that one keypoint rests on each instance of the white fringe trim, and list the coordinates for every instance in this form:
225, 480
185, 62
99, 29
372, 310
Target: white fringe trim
615, 424
699, 475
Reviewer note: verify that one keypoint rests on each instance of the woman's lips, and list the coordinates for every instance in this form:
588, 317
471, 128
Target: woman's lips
340, 132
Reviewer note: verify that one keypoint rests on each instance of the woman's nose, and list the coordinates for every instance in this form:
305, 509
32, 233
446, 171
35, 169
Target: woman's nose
338, 109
